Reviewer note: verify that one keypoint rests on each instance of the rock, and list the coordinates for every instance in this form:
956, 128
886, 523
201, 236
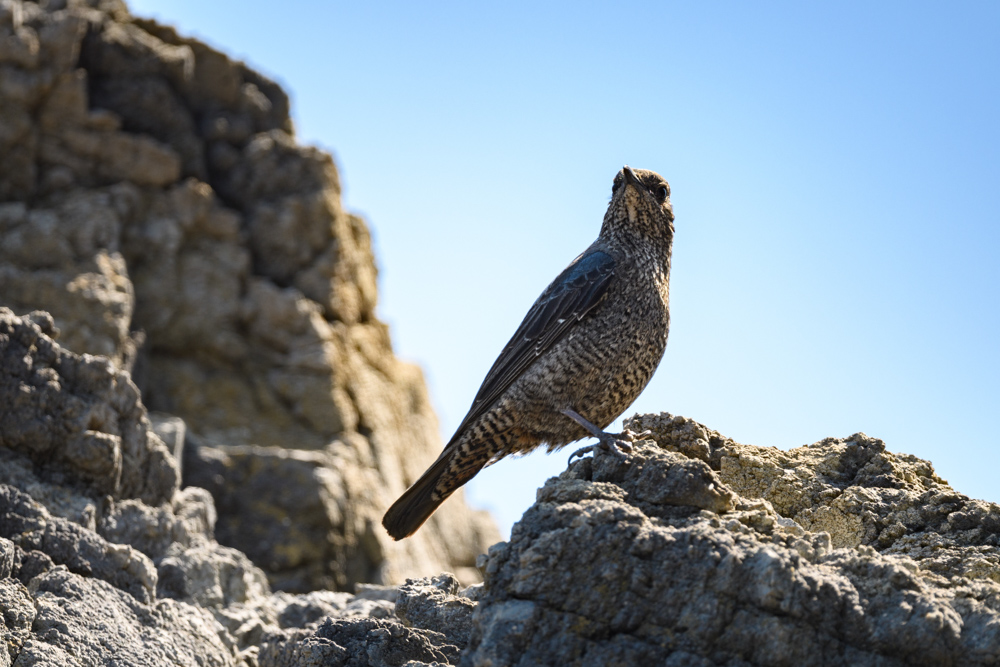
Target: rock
435, 604
84, 621
363, 630
172, 431
187, 520
30, 527
122, 547
360, 643
155, 201
251, 480
17, 613
210, 575
78, 416
64, 258
310, 609
377, 592
86, 530
602, 571
17, 470
7, 552
855, 490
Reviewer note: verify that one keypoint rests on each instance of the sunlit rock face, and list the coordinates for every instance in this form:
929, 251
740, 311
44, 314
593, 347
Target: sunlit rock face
154, 200
702, 551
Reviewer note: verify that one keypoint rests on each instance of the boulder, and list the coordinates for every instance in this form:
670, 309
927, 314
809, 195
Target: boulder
608, 569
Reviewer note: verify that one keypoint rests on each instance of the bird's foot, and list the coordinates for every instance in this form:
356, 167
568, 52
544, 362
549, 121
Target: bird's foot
619, 447
619, 444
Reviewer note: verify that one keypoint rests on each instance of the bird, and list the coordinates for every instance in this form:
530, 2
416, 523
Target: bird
585, 351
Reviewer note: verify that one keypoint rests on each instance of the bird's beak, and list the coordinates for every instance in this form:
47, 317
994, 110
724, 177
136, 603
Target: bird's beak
630, 177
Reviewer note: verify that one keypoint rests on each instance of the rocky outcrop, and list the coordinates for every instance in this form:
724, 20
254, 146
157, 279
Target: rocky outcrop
854, 490
153, 200
696, 550
80, 415
102, 556
658, 560
727, 564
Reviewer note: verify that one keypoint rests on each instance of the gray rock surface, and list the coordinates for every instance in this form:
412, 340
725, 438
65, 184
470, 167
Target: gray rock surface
608, 569
32, 528
85, 621
77, 415
695, 551
124, 568
154, 200
17, 610
437, 604
660, 560
855, 490
365, 642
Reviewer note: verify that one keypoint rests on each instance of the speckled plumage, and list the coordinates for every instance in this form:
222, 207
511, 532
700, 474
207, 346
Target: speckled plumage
590, 343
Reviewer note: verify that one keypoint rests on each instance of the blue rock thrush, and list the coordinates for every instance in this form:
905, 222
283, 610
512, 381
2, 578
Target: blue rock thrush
584, 352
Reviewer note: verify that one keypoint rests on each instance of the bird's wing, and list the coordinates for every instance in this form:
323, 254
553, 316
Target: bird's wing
573, 294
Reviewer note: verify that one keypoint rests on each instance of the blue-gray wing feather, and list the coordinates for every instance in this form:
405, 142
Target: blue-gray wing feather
573, 294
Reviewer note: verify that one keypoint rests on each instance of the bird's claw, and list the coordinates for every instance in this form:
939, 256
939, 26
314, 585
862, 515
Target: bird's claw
621, 449
619, 444
636, 436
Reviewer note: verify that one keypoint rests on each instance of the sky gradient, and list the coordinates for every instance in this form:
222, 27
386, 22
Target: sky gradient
835, 175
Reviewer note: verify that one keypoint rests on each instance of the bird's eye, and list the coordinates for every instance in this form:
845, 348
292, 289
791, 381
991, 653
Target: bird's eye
615, 185
662, 192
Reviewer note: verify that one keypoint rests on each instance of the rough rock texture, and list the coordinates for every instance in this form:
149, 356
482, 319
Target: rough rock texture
111, 562
658, 560
695, 551
438, 604
361, 643
93, 572
609, 568
84, 621
431, 625
153, 200
102, 557
80, 550
855, 490
79, 415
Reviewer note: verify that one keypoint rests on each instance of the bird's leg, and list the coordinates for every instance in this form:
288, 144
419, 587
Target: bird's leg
618, 443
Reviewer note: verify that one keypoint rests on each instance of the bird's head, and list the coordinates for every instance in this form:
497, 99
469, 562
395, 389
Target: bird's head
640, 207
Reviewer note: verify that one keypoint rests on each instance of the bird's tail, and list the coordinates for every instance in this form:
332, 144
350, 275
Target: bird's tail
443, 478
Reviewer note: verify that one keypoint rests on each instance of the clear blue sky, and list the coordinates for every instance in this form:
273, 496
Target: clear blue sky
835, 173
